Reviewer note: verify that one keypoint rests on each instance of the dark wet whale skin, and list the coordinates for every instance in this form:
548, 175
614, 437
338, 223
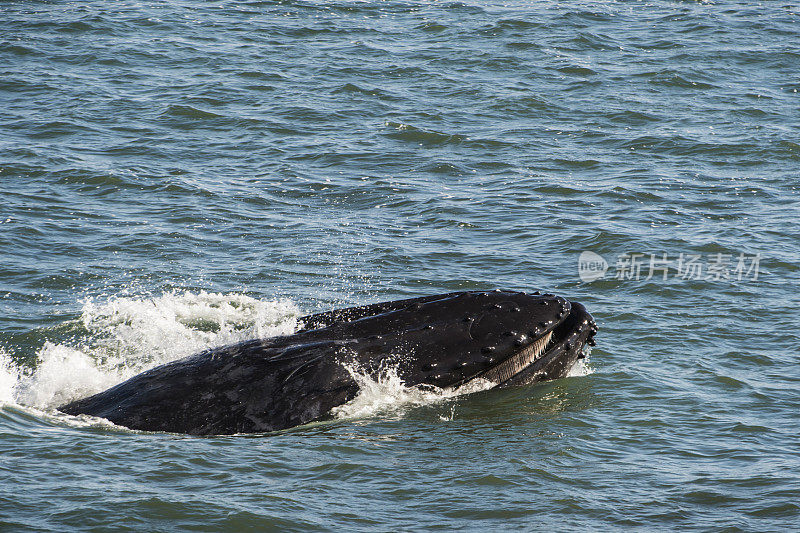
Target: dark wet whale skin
271, 384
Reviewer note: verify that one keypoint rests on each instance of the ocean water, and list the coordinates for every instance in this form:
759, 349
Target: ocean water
178, 175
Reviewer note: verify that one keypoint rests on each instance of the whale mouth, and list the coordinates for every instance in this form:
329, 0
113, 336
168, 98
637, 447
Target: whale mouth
519, 361
551, 355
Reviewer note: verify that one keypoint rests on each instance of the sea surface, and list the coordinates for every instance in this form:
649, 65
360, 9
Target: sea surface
176, 175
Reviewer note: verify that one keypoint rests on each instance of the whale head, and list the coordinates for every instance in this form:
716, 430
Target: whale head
504, 337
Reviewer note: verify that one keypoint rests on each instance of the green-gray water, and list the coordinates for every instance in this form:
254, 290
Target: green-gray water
177, 175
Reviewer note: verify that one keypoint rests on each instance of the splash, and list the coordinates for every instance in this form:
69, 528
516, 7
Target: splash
582, 367
125, 336
385, 393
9, 374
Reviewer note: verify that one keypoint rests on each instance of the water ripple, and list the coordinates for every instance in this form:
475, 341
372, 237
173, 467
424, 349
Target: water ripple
343, 152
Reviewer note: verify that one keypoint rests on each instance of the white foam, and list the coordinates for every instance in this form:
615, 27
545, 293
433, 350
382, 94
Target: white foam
9, 374
125, 336
385, 392
64, 373
581, 367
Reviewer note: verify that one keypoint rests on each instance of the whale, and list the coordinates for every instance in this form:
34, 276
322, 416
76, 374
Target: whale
445, 341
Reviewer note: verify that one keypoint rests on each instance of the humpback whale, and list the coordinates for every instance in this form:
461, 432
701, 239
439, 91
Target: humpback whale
264, 385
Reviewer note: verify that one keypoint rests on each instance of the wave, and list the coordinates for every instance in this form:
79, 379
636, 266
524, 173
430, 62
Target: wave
124, 336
